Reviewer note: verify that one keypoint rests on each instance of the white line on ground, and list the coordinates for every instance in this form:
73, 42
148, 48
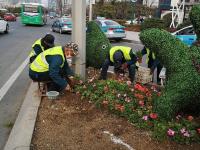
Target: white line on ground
117, 140
12, 79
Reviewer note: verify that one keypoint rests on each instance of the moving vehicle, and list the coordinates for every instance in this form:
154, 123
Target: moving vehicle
112, 29
186, 35
10, 17
4, 26
62, 25
33, 13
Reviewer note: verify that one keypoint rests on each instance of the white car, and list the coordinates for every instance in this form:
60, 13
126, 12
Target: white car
4, 27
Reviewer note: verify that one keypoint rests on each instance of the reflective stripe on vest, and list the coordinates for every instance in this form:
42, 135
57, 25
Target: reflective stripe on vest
147, 57
38, 42
40, 63
125, 50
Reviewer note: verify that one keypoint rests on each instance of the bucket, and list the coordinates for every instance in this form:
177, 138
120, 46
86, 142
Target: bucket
52, 95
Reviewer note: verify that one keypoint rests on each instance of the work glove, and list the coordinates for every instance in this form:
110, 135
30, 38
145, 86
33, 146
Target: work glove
124, 66
70, 81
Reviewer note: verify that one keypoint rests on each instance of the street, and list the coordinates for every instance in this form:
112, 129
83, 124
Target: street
14, 48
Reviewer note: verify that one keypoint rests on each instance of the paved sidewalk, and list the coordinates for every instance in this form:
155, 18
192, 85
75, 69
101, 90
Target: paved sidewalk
132, 36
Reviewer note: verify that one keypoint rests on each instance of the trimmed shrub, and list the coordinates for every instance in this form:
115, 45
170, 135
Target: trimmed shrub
167, 19
97, 46
152, 23
183, 80
195, 19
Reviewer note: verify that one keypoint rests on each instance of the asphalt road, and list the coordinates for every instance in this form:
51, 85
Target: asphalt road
14, 49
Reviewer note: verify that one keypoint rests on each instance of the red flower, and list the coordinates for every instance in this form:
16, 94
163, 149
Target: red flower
190, 118
139, 96
153, 116
140, 88
198, 130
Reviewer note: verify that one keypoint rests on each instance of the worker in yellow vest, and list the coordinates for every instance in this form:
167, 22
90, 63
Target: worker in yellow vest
51, 65
121, 57
152, 61
41, 45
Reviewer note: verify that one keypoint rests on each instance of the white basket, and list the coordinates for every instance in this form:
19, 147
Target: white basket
52, 95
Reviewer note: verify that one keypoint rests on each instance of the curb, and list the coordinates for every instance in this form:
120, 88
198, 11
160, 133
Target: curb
21, 133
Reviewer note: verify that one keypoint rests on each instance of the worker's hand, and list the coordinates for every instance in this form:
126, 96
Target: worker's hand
70, 81
68, 88
124, 66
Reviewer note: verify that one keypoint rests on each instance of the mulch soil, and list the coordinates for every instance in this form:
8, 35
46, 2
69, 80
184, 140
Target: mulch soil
70, 123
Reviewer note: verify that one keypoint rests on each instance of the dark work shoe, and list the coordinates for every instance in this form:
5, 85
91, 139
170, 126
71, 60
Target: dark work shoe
101, 78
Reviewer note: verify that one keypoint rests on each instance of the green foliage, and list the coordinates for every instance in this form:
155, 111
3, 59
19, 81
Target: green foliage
195, 19
121, 10
97, 46
183, 80
167, 19
152, 23
135, 104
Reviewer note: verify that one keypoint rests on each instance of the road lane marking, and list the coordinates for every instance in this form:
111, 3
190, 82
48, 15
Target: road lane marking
12, 79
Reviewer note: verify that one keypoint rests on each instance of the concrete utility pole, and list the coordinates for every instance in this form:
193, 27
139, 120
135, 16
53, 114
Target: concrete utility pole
79, 35
90, 10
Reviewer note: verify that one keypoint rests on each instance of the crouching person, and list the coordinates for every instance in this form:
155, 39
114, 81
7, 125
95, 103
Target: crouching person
121, 57
51, 65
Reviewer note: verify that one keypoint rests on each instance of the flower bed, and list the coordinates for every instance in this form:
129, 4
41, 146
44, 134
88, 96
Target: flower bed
135, 104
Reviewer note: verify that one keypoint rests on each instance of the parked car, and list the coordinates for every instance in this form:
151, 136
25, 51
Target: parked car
186, 34
4, 26
112, 29
10, 17
62, 25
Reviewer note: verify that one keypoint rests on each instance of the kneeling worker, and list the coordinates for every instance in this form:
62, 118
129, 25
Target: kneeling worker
51, 65
121, 57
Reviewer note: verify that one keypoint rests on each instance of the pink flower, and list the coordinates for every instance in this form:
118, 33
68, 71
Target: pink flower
178, 117
183, 130
127, 99
186, 134
128, 83
145, 118
141, 103
170, 132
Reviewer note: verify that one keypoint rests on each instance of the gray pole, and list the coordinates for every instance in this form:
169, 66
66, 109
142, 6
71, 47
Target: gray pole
90, 11
79, 35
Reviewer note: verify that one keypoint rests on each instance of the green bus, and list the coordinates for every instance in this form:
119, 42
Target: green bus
33, 13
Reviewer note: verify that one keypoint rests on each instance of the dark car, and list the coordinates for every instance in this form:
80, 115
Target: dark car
62, 25
9, 17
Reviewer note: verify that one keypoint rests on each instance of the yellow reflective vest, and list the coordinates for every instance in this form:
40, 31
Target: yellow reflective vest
148, 55
125, 50
38, 42
40, 64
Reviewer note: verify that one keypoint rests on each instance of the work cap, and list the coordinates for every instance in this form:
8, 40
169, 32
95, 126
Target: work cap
49, 40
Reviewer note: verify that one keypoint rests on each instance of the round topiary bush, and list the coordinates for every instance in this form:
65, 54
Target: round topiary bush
97, 46
195, 19
183, 79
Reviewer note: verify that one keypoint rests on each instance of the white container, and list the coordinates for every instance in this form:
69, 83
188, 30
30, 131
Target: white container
52, 95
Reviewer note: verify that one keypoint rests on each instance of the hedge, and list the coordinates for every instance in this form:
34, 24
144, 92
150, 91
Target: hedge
152, 23
97, 46
183, 79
